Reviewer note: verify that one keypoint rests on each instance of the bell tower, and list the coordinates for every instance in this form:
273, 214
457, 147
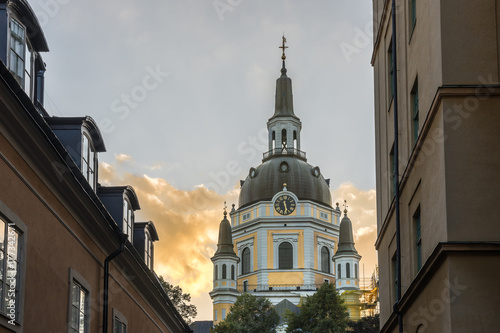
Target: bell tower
225, 261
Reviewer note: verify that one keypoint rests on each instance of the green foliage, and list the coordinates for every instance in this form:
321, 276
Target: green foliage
366, 325
323, 312
249, 314
180, 301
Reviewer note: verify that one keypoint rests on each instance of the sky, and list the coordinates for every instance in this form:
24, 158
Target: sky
182, 90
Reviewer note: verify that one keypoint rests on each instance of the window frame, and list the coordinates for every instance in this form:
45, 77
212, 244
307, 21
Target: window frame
285, 260
89, 160
75, 277
13, 52
117, 315
347, 270
128, 219
148, 250
8, 216
417, 222
339, 271
415, 113
246, 263
328, 268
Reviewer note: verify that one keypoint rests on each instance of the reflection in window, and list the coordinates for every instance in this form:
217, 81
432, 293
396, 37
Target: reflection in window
89, 161
17, 50
80, 310
148, 251
119, 326
127, 219
9, 268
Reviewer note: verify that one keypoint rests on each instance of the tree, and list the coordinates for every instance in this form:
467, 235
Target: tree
323, 312
366, 325
180, 301
249, 314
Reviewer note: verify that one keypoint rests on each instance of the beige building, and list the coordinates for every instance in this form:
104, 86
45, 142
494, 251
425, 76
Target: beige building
448, 105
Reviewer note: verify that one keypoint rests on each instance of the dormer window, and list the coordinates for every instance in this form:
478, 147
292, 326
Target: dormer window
128, 219
148, 251
17, 50
89, 161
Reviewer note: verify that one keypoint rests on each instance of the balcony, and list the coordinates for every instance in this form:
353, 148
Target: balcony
284, 152
251, 288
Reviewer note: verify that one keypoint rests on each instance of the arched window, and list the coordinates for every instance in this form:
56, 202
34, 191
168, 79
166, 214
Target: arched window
347, 271
325, 260
245, 261
283, 140
216, 272
232, 272
224, 271
339, 271
285, 255
273, 140
355, 271
295, 140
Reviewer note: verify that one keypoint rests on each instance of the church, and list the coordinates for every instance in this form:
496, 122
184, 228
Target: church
285, 238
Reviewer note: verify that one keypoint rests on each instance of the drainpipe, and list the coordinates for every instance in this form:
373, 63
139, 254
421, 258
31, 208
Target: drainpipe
396, 167
123, 238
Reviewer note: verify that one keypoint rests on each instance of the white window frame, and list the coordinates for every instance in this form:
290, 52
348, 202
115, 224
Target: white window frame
75, 277
148, 251
292, 238
246, 216
241, 245
89, 160
330, 244
128, 219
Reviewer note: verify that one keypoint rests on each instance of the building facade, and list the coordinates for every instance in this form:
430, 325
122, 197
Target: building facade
283, 235
72, 257
442, 69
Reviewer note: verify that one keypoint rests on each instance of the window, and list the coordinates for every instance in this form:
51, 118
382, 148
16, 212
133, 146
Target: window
339, 271
17, 50
394, 277
390, 72
128, 217
418, 238
347, 271
245, 261
325, 260
246, 216
283, 141
119, 322
245, 286
10, 257
216, 272
232, 272
413, 14
323, 215
295, 146
355, 271
224, 269
285, 255
273, 138
415, 113
215, 317
223, 314
80, 310
88, 161
148, 251
392, 162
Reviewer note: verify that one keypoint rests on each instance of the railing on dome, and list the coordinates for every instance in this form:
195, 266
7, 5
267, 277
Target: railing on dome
285, 152
251, 288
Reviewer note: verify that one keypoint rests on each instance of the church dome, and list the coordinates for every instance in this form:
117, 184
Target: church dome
301, 178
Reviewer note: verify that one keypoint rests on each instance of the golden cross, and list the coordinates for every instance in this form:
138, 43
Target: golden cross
283, 47
345, 206
225, 207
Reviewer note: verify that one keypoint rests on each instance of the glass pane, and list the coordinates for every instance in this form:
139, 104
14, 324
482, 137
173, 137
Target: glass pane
75, 296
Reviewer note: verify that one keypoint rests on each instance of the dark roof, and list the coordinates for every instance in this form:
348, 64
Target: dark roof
129, 190
346, 240
29, 19
202, 326
150, 226
225, 244
284, 99
284, 305
87, 122
300, 180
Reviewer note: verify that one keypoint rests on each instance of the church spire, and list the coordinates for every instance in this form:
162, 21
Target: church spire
284, 99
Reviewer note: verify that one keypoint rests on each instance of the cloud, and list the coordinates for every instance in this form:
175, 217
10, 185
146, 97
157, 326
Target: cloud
188, 221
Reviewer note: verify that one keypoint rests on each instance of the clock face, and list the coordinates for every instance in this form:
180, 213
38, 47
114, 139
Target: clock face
285, 204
